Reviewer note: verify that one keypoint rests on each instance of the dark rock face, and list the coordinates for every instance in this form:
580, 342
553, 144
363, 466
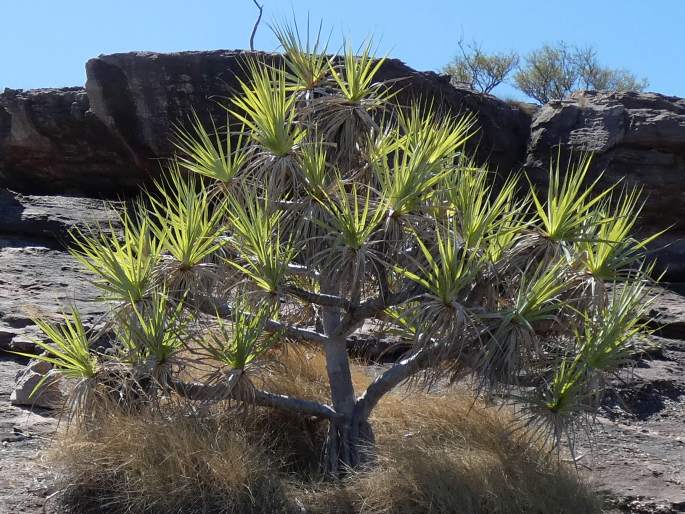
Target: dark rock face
108, 138
503, 128
51, 142
636, 137
50, 218
141, 96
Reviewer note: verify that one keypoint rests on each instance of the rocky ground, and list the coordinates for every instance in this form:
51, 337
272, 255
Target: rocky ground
36, 277
25, 479
637, 455
637, 450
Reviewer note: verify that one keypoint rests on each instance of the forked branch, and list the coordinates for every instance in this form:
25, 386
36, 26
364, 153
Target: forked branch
224, 310
325, 300
374, 308
256, 25
295, 332
218, 392
393, 377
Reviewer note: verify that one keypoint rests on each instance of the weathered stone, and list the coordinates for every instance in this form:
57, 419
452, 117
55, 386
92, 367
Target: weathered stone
668, 314
51, 218
37, 275
141, 96
25, 481
503, 128
107, 139
48, 395
50, 142
638, 138
40, 281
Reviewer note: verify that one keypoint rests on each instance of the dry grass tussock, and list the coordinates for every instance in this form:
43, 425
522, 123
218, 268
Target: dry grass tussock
437, 454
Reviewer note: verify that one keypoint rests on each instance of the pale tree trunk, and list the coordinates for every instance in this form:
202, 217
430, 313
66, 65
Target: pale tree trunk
350, 438
343, 445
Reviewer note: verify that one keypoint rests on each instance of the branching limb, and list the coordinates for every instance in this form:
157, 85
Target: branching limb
295, 332
387, 381
374, 307
217, 392
225, 310
304, 271
326, 300
256, 25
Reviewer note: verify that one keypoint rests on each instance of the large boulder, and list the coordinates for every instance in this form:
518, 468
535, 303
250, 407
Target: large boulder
141, 96
51, 142
107, 139
638, 138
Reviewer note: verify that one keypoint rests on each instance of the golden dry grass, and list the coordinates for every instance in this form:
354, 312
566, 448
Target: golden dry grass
436, 454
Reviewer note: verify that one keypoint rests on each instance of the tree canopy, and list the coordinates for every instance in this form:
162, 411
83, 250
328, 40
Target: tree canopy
325, 205
548, 73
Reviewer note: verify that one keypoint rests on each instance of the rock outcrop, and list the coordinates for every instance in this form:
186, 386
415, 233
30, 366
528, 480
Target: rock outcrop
638, 138
108, 138
35, 387
37, 277
140, 96
50, 142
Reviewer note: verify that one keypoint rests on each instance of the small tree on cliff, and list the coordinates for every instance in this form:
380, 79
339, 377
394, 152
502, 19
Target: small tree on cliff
330, 207
554, 71
548, 73
481, 71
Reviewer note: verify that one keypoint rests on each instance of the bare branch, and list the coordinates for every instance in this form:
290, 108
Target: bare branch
326, 300
392, 378
295, 332
303, 271
217, 392
224, 310
372, 308
254, 30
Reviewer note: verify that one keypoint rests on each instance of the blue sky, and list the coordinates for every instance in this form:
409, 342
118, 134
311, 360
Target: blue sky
45, 43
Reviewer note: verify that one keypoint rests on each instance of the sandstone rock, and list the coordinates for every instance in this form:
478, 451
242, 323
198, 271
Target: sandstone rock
636, 137
668, 314
106, 139
50, 142
25, 481
37, 275
141, 95
50, 218
48, 396
40, 281
503, 127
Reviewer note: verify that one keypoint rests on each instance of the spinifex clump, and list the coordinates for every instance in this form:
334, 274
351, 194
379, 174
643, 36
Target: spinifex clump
324, 204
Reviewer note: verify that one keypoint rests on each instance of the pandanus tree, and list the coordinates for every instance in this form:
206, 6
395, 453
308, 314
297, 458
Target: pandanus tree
326, 206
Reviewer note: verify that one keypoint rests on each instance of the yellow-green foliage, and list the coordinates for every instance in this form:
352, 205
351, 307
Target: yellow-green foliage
340, 206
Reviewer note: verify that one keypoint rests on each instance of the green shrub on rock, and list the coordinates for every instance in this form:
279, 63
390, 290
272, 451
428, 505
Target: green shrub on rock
340, 208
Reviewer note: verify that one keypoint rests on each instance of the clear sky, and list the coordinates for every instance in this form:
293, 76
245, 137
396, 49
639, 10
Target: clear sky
45, 43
